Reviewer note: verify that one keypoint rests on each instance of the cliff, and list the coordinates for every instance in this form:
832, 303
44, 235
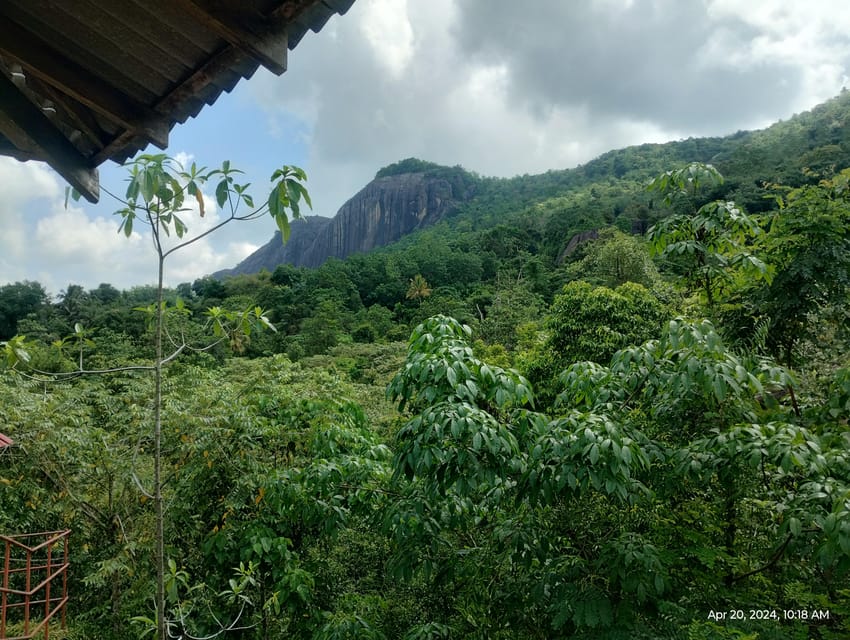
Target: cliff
386, 209
303, 234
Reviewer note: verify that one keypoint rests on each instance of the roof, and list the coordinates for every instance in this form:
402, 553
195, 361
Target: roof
5, 441
85, 81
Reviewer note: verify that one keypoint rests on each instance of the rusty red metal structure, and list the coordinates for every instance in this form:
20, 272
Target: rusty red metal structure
34, 585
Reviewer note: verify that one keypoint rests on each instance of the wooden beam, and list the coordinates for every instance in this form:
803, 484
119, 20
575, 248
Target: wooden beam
20, 118
8, 148
215, 67
263, 39
76, 115
54, 68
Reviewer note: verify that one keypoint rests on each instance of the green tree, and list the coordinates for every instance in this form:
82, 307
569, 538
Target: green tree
614, 259
418, 288
590, 323
510, 306
711, 239
17, 301
809, 243
663, 481
322, 329
156, 196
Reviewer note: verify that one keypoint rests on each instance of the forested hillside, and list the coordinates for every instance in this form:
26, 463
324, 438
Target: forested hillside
483, 430
605, 191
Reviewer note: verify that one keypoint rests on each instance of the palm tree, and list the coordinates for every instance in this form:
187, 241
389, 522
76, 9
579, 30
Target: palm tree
418, 289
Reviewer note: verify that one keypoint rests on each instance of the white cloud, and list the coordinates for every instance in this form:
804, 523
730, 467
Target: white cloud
74, 245
69, 234
22, 183
499, 86
812, 37
387, 29
202, 259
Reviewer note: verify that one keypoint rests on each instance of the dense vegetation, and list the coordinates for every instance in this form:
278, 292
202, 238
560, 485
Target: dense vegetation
478, 432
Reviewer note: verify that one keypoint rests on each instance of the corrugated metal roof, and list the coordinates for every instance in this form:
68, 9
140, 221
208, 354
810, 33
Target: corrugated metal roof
85, 81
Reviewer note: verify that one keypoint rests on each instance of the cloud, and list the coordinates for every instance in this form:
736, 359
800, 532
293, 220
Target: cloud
810, 37
499, 86
22, 182
642, 61
506, 88
386, 27
74, 245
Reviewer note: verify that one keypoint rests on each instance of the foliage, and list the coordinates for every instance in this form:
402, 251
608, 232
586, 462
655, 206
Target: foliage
614, 259
712, 239
809, 243
647, 472
17, 301
590, 323
671, 431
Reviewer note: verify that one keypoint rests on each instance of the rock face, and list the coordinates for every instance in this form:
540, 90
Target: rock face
575, 241
302, 235
382, 212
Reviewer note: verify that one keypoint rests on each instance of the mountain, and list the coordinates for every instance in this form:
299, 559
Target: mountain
402, 198
303, 233
541, 213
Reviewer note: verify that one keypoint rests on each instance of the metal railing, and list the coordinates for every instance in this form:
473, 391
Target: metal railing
34, 583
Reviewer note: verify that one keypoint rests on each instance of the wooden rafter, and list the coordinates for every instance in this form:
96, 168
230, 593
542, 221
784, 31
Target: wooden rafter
76, 114
31, 130
40, 59
263, 38
85, 82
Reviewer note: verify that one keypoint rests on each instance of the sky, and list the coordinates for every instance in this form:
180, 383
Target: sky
500, 87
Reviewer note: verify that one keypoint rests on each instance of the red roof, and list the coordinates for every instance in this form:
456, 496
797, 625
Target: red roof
5, 441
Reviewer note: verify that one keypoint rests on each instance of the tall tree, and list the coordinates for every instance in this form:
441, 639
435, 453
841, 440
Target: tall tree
418, 288
157, 194
809, 244
711, 239
17, 301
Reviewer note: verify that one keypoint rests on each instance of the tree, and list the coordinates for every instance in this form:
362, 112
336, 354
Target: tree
590, 323
623, 509
418, 288
511, 305
105, 293
322, 329
614, 259
712, 239
808, 242
17, 301
72, 301
156, 197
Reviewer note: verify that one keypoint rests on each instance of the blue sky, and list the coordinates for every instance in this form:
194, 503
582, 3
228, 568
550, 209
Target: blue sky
500, 87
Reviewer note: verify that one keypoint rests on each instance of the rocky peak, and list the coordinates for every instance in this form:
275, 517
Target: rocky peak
386, 209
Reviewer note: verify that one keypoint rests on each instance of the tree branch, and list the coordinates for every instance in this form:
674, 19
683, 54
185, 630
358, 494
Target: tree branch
773, 560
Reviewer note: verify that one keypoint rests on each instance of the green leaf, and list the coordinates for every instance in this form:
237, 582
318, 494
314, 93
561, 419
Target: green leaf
127, 224
148, 185
179, 227
283, 224
451, 376
795, 526
221, 192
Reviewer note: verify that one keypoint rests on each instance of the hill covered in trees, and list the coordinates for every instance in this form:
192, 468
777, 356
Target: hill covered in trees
413, 194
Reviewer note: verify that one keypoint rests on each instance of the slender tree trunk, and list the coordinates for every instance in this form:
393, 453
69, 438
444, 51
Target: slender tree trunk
157, 469
731, 527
